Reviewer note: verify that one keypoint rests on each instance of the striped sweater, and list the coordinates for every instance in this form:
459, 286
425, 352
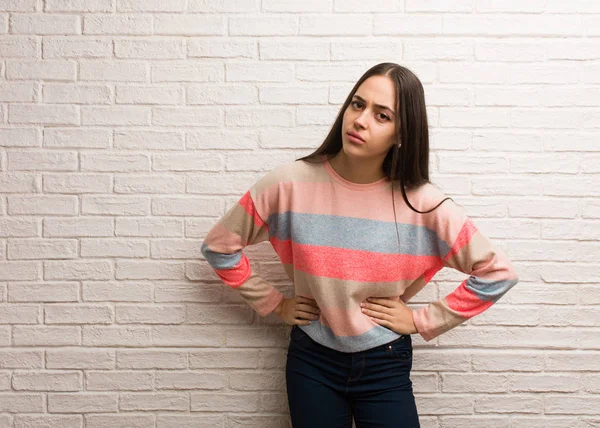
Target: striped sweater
338, 244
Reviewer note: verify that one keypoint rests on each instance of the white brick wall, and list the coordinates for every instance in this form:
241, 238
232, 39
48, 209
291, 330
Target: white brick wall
127, 127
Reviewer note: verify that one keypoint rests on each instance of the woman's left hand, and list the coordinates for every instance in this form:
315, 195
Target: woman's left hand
393, 314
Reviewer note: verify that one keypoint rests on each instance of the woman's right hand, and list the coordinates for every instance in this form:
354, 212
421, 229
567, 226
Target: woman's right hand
298, 310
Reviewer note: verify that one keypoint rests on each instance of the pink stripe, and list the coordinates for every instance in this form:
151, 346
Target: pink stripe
299, 197
346, 323
356, 265
248, 204
238, 275
466, 233
465, 302
222, 240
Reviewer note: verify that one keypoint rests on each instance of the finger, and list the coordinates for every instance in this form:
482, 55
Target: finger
382, 301
306, 299
384, 323
302, 322
376, 314
307, 315
375, 307
308, 308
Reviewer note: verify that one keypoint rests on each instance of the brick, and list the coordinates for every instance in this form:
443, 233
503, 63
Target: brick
188, 71
115, 205
182, 116
145, 94
78, 227
149, 270
79, 6
32, 249
119, 421
121, 24
76, 138
118, 381
48, 421
18, 5
186, 335
20, 137
151, 359
43, 114
192, 421
220, 402
228, 48
151, 5
114, 162
21, 403
21, 359
78, 270
16, 92
76, 183
47, 381
116, 71
42, 161
77, 358
77, 47
186, 162
156, 314
407, 24
154, 401
148, 140
438, 6
20, 271
116, 336
190, 25
46, 336
186, 206
45, 24
42, 205
154, 184
43, 292
18, 182
149, 227
82, 403
175, 249
190, 380
117, 116
76, 94
49, 69
78, 314
114, 248
121, 291
230, 358
150, 49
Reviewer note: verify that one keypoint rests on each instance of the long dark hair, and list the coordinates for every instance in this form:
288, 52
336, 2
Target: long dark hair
408, 163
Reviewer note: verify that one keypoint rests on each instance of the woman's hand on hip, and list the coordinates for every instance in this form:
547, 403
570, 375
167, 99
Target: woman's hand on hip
298, 310
393, 314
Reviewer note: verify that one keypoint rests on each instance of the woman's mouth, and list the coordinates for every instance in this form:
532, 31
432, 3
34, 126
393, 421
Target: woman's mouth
354, 139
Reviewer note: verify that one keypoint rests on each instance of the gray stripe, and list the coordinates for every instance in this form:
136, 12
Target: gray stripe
323, 335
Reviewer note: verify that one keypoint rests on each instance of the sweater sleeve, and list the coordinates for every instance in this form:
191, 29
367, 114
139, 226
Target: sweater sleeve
464, 248
245, 223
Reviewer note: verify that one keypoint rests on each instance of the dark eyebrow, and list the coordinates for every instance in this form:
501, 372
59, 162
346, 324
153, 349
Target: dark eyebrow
376, 105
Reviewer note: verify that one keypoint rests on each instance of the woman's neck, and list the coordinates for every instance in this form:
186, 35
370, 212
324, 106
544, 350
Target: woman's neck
358, 171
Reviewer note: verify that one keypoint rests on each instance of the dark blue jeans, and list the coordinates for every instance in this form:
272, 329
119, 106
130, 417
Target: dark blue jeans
327, 388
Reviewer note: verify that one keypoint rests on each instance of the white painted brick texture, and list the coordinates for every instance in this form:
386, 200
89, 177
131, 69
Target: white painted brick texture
127, 127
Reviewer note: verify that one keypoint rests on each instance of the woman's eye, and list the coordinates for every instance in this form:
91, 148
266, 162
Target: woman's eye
384, 116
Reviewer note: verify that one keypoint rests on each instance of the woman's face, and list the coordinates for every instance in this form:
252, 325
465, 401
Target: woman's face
368, 117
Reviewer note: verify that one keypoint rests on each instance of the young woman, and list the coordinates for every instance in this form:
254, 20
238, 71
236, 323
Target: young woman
355, 226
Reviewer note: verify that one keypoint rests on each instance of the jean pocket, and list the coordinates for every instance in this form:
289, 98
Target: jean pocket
298, 336
400, 349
